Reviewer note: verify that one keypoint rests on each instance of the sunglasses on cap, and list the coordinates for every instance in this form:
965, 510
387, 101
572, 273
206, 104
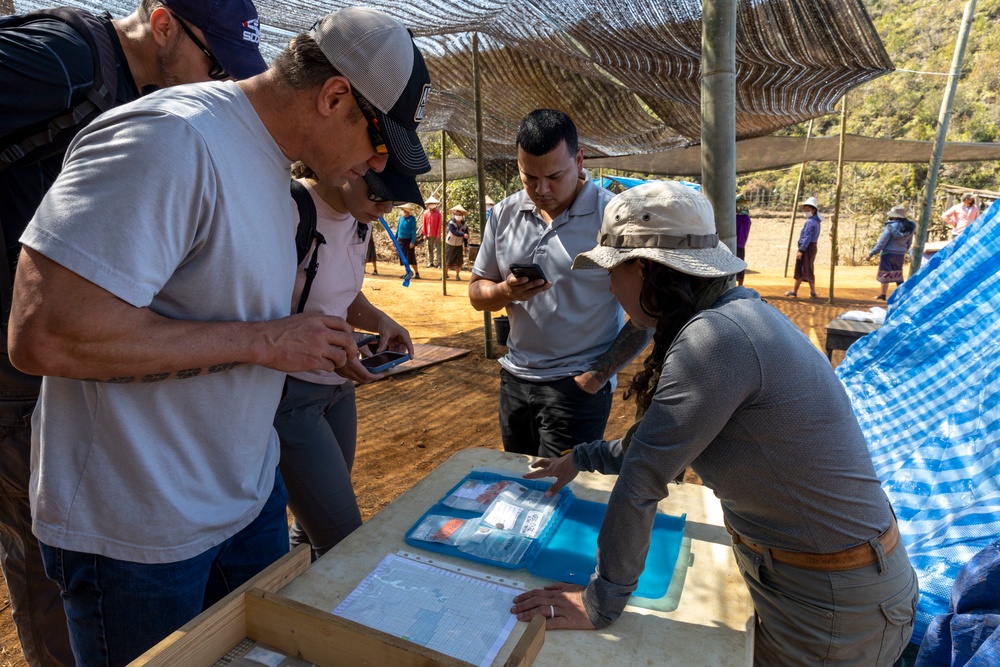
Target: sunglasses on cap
216, 71
374, 133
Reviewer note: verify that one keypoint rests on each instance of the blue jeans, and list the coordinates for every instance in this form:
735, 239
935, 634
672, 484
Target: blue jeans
546, 418
117, 609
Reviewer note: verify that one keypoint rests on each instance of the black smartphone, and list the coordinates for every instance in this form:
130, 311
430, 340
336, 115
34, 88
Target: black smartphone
383, 361
529, 271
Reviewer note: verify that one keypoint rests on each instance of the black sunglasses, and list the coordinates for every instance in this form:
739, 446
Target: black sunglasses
217, 71
374, 132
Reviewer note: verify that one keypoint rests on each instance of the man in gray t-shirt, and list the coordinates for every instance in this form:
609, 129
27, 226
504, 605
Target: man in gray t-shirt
567, 339
152, 293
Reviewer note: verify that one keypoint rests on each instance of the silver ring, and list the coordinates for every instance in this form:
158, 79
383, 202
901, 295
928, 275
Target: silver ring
552, 611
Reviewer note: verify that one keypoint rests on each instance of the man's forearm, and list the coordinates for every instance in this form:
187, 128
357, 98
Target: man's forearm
487, 295
62, 325
629, 342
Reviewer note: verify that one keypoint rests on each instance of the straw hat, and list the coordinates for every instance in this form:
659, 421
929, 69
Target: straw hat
489, 202
458, 209
811, 202
408, 207
665, 222
432, 201
897, 213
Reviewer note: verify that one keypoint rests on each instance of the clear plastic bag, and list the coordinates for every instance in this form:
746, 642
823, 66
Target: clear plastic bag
501, 546
522, 511
475, 495
440, 528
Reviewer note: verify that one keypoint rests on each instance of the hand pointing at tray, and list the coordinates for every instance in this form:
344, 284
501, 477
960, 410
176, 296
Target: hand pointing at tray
561, 468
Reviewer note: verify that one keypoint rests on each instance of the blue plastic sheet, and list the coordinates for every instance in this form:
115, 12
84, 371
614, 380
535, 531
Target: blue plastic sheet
926, 389
969, 634
399, 251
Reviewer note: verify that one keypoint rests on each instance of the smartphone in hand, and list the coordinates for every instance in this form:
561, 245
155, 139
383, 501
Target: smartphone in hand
383, 361
529, 271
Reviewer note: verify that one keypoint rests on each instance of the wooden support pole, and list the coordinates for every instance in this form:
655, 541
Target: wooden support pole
718, 114
942, 133
444, 210
840, 186
481, 173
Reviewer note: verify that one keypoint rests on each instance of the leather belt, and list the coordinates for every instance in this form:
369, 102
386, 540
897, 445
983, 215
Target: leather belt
848, 559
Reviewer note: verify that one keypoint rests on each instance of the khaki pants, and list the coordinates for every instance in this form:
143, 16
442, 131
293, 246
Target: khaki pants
853, 617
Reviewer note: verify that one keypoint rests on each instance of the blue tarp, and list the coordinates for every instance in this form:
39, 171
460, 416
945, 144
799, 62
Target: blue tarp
632, 182
967, 635
926, 389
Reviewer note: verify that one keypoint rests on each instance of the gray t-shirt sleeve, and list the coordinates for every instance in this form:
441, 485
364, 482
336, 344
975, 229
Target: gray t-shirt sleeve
114, 220
708, 372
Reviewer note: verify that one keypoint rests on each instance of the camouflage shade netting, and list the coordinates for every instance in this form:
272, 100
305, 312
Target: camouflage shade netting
627, 72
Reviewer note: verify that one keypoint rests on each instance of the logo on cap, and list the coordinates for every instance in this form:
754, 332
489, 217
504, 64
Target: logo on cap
251, 32
418, 115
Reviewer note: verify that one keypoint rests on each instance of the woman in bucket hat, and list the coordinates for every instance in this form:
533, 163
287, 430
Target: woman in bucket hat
733, 389
893, 244
805, 258
455, 239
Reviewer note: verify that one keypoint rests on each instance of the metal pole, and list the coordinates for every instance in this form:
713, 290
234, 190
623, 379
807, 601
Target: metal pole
840, 186
444, 210
795, 200
481, 173
718, 114
943, 117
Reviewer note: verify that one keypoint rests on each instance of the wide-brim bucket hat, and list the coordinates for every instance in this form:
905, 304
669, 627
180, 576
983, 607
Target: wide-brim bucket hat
897, 213
811, 202
665, 222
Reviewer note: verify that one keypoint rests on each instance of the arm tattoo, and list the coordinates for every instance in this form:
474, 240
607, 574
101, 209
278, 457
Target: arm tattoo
629, 342
160, 377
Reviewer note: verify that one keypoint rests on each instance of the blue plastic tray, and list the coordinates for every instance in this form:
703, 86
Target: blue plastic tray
567, 548
570, 554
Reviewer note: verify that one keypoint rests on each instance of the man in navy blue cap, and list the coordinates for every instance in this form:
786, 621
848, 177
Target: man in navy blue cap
152, 293
47, 70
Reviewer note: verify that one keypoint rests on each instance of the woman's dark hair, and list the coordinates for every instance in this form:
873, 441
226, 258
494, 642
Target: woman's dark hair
670, 297
542, 130
302, 170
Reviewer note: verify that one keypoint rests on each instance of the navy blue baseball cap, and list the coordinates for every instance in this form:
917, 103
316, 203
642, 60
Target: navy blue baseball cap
393, 186
232, 30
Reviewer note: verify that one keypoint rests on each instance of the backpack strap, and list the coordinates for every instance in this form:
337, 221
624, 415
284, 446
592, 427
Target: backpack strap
50, 137
306, 236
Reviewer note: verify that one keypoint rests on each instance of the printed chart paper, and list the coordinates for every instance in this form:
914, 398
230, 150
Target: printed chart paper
458, 615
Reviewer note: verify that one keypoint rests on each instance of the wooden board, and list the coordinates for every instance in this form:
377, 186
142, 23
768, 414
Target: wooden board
427, 355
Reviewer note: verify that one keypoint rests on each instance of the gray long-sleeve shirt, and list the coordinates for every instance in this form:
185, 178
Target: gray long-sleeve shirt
755, 409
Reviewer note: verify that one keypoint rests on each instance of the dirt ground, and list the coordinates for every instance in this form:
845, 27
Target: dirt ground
411, 422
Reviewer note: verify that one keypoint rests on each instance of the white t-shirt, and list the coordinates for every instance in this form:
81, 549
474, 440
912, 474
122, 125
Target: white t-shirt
340, 270
179, 202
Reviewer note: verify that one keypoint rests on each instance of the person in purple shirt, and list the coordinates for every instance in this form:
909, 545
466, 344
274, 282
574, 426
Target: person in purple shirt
805, 259
743, 223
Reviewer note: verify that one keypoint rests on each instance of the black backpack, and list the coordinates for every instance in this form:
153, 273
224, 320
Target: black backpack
306, 235
52, 136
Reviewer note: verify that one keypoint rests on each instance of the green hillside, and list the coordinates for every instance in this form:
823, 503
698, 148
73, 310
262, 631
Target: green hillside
919, 36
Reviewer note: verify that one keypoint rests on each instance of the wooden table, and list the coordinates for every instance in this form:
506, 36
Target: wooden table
841, 334
713, 609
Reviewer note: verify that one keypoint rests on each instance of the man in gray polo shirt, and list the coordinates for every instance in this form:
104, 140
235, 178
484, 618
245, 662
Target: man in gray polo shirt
567, 340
